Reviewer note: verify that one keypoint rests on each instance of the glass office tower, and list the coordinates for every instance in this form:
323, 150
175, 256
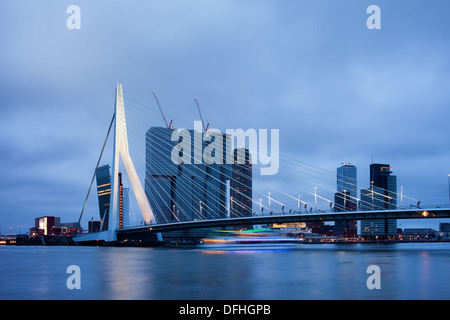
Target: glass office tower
382, 195
241, 184
185, 191
345, 199
103, 177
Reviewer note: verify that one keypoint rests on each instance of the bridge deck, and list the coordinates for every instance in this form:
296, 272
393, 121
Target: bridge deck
290, 218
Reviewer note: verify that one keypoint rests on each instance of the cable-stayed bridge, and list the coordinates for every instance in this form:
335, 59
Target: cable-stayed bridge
191, 179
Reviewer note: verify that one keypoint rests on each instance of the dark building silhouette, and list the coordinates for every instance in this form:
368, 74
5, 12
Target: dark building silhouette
382, 195
94, 226
343, 202
241, 184
121, 201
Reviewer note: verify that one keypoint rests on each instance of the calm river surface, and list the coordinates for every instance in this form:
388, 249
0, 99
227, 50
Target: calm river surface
314, 271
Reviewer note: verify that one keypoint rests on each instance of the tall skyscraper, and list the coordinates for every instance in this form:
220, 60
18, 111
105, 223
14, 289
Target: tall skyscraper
185, 191
161, 173
121, 201
381, 177
382, 195
104, 194
347, 179
345, 199
241, 184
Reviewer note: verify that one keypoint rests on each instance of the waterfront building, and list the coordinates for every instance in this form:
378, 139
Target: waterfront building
343, 203
185, 191
345, 199
123, 217
382, 195
126, 207
347, 179
241, 184
47, 225
317, 227
68, 228
419, 234
161, 173
52, 226
380, 176
103, 178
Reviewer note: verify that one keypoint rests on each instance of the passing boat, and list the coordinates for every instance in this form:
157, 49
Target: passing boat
248, 240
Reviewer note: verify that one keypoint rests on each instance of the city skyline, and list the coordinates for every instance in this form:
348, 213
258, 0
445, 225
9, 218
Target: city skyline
337, 91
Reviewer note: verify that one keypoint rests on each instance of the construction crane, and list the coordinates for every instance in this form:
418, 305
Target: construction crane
205, 129
162, 113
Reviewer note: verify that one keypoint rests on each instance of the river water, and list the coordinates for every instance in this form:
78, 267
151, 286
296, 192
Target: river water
311, 271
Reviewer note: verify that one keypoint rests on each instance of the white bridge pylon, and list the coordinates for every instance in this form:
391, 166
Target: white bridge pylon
121, 152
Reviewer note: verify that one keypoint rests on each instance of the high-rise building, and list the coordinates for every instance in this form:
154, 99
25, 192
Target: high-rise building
123, 204
380, 176
241, 184
126, 207
104, 194
184, 191
120, 201
347, 179
382, 195
374, 199
345, 199
161, 173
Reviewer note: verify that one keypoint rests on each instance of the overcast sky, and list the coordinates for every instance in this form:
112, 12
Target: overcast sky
337, 91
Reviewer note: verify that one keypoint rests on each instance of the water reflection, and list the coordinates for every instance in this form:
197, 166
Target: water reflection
310, 271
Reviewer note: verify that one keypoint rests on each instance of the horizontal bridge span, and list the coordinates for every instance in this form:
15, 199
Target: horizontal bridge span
290, 218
